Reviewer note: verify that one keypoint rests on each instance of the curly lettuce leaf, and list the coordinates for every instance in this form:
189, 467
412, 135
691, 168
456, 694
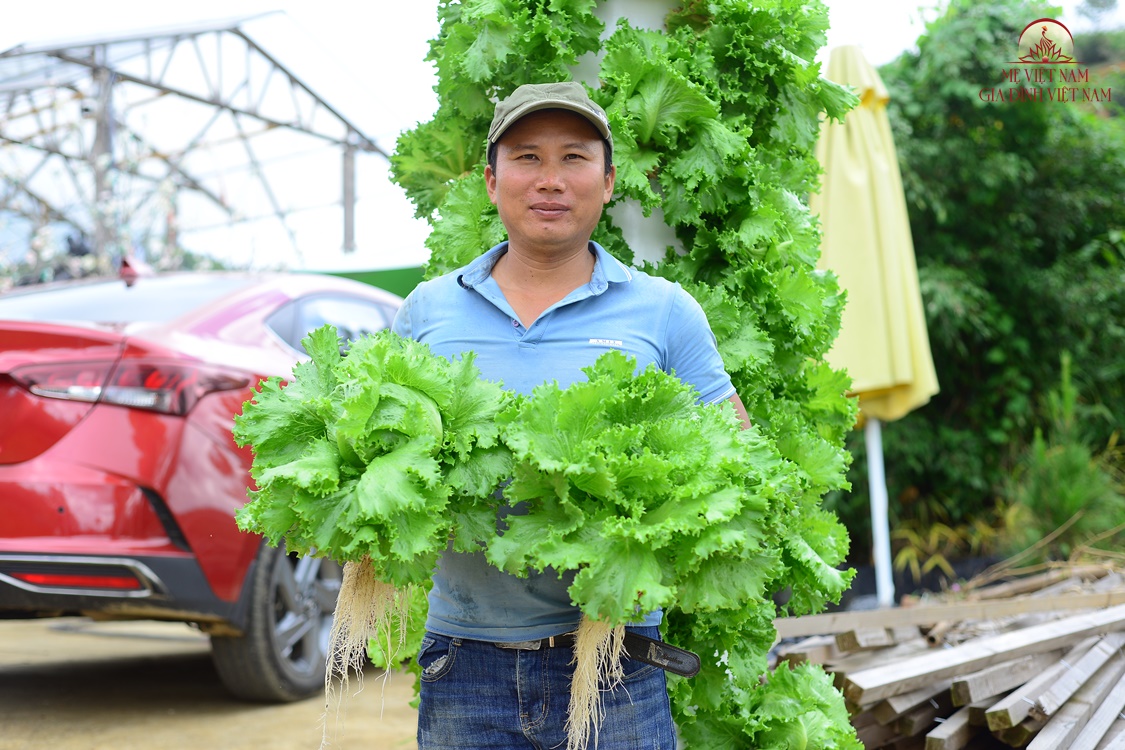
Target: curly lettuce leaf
374, 454
798, 709
654, 500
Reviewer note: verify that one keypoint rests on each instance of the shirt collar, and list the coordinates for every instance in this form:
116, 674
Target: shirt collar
607, 269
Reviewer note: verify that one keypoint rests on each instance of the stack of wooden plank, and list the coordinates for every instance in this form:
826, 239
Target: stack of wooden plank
1037, 662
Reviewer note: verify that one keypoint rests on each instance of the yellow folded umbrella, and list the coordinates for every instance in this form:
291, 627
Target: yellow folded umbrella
866, 241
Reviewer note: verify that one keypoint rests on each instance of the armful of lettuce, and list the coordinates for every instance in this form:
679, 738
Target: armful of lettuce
378, 454
653, 500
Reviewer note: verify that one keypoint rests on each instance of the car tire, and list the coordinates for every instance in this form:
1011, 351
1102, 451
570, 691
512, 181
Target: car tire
282, 653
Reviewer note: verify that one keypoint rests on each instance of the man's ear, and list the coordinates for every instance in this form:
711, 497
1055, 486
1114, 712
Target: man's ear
610, 180
490, 182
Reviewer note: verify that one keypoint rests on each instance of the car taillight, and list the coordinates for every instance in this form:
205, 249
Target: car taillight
166, 387
80, 575
80, 581
82, 381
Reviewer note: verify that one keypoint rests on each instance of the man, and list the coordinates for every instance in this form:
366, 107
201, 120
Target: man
540, 307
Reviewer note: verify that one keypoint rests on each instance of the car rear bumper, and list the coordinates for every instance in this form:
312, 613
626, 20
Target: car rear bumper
76, 540
164, 587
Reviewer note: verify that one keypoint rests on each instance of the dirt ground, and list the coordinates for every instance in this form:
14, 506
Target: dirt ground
72, 684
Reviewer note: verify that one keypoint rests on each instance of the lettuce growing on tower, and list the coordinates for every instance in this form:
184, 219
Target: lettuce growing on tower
715, 120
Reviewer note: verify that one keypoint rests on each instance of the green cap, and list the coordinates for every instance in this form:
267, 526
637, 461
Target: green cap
532, 97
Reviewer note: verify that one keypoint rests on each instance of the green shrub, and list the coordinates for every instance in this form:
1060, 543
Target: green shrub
1069, 495
1017, 222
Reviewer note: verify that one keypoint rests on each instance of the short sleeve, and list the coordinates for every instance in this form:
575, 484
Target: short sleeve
692, 351
403, 324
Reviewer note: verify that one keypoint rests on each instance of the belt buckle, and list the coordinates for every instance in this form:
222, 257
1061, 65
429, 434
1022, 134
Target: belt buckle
530, 645
522, 645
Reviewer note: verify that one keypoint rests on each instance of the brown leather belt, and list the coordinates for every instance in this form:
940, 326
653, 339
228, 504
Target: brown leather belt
638, 647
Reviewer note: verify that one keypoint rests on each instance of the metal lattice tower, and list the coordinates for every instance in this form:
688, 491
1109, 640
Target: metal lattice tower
148, 140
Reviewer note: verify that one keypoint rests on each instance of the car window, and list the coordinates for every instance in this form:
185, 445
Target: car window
352, 316
157, 300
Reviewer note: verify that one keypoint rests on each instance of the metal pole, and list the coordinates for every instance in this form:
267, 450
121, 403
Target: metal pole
349, 199
880, 525
101, 157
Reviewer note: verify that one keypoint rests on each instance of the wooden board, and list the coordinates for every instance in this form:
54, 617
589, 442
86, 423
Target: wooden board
1021, 733
863, 639
977, 710
841, 622
1074, 678
892, 708
1115, 737
1069, 720
816, 649
877, 683
1028, 584
1001, 677
1104, 718
1014, 708
875, 734
918, 720
860, 660
953, 733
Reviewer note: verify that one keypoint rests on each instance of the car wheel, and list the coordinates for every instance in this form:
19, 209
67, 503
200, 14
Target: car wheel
282, 654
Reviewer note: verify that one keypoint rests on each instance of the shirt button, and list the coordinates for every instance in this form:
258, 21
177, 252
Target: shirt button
515, 323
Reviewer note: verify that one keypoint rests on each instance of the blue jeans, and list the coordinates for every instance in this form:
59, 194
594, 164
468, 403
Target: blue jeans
477, 695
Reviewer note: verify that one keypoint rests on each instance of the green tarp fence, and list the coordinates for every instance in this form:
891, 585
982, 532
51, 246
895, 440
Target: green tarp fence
400, 281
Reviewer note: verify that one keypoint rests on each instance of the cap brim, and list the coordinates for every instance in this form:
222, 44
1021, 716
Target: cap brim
519, 112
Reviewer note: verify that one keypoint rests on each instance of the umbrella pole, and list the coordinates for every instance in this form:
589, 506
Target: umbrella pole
880, 525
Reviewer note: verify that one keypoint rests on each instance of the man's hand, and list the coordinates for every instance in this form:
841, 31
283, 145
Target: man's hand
740, 410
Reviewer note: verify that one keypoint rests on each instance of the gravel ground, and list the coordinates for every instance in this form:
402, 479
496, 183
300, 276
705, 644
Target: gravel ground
73, 684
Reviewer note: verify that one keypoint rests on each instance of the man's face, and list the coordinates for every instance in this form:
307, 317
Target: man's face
550, 182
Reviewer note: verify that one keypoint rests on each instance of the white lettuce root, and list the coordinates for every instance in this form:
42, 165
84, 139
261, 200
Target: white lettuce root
366, 609
597, 657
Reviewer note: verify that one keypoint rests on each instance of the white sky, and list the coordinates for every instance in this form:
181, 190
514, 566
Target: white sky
366, 59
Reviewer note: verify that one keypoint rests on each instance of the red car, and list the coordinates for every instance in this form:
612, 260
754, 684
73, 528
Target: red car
119, 477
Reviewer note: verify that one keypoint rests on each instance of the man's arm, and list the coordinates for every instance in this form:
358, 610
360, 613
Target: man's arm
694, 355
740, 410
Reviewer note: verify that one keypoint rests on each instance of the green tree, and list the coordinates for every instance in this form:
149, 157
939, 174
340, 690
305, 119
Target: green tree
1016, 213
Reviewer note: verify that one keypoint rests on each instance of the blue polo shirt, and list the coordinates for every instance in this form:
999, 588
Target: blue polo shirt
645, 317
